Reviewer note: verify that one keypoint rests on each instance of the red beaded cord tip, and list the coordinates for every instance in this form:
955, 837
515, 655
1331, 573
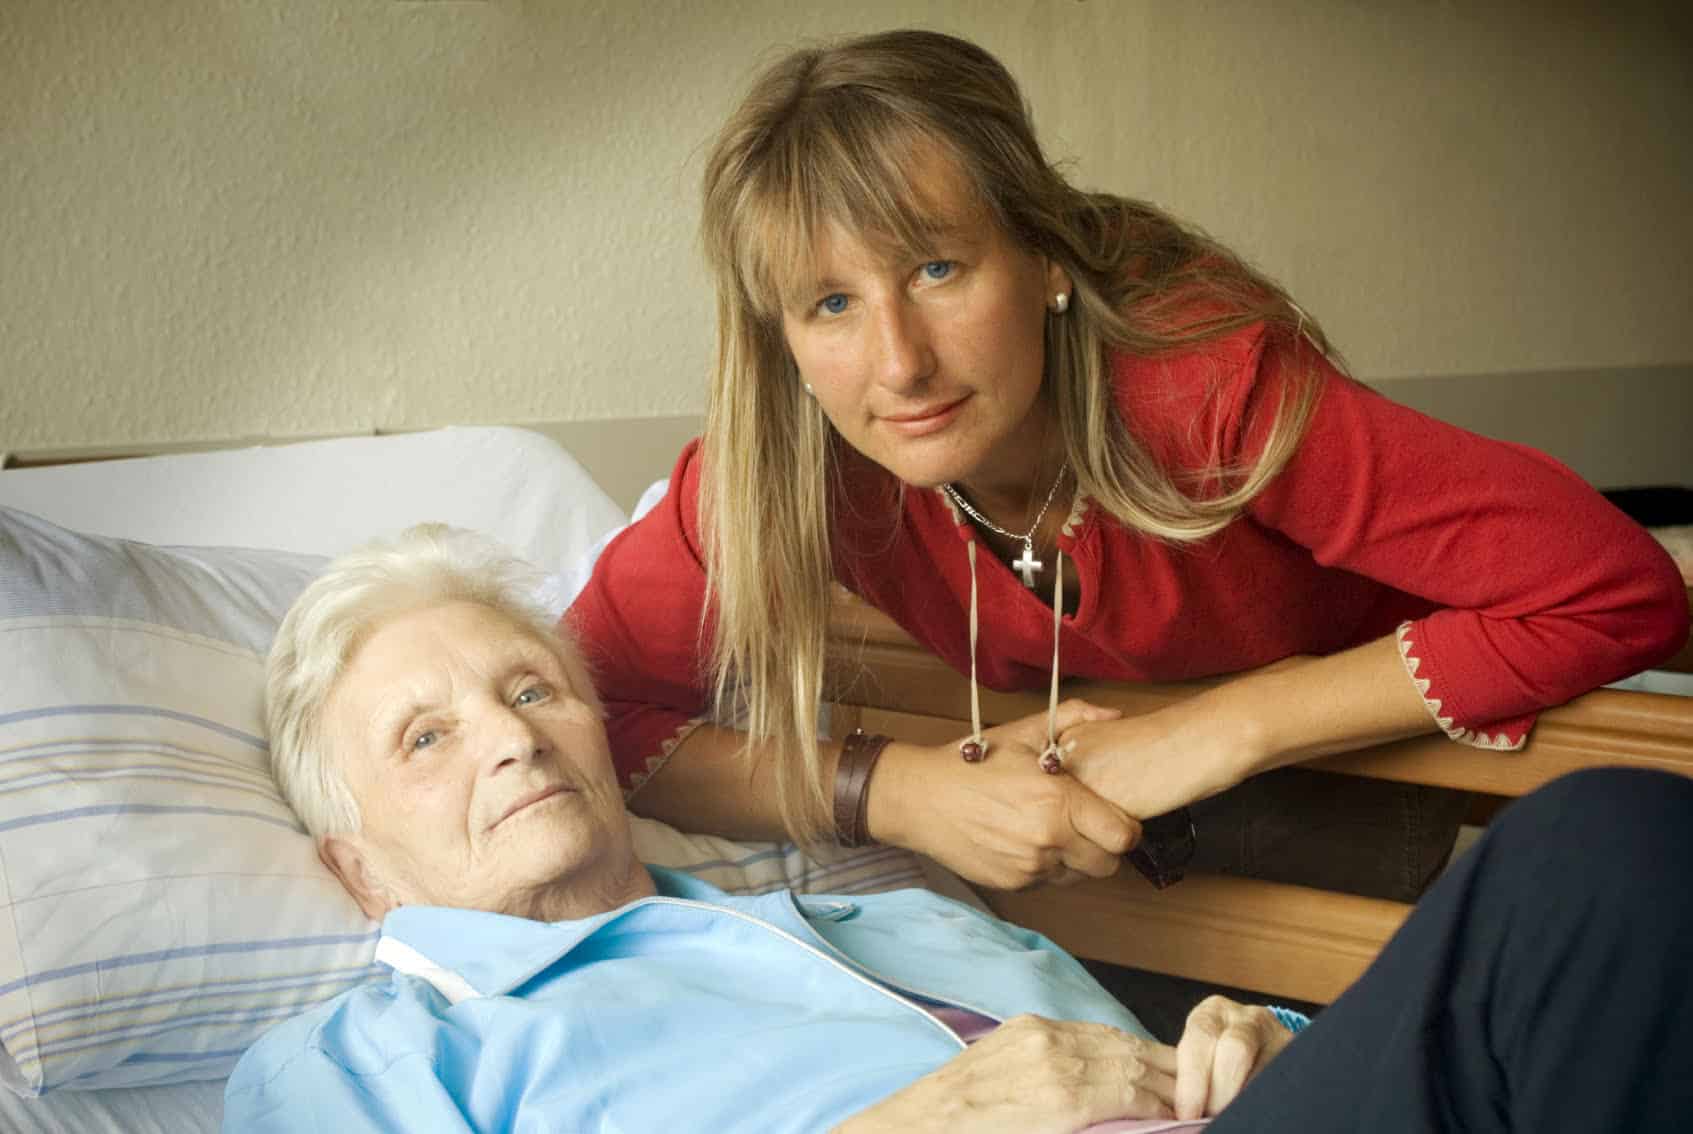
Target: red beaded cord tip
1050, 762
973, 752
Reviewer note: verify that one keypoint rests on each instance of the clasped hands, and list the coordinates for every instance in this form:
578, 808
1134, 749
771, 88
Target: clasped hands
1004, 824
1032, 1074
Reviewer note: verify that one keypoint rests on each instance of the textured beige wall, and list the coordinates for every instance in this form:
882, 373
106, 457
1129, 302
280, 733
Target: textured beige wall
317, 216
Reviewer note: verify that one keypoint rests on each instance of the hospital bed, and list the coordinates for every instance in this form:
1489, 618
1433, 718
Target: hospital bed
294, 504
160, 906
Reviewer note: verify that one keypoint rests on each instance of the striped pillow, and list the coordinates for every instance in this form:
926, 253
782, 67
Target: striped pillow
163, 907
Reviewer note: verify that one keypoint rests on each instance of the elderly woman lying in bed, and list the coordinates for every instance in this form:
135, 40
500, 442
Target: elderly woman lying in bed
444, 746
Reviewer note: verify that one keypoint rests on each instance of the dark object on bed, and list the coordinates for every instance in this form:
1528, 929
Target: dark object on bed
1654, 506
1166, 847
1661, 507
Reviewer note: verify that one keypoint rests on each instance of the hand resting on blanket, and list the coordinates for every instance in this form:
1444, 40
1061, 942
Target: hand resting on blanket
1032, 1075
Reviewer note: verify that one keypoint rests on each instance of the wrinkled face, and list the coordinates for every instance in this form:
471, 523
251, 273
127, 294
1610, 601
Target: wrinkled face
930, 364
482, 776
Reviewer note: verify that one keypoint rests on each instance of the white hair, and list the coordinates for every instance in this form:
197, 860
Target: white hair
424, 566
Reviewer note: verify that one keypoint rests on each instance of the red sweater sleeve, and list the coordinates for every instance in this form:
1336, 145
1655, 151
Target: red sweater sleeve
1545, 590
638, 622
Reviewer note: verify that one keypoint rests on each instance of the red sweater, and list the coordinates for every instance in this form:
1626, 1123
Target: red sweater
1511, 583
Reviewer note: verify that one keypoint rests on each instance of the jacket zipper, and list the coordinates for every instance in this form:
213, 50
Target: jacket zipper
917, 992
850, 967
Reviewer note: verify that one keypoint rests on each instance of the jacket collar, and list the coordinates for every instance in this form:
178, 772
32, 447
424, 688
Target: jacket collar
471, 953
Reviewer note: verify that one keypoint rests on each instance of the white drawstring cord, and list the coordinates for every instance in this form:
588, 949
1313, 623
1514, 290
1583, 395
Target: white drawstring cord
1051, 755
976, 748
981, 748
1052, 699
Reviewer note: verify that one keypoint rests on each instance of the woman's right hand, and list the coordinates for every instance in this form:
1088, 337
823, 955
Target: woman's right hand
1000, 823
1032, 1075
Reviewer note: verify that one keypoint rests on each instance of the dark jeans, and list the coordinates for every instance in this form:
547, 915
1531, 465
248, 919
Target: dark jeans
1335, 832
1544, 983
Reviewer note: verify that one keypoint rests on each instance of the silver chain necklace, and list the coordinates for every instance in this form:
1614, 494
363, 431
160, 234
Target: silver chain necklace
1026, 564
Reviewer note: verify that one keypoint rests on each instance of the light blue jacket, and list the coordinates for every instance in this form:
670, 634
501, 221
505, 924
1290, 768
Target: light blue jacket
691, 1011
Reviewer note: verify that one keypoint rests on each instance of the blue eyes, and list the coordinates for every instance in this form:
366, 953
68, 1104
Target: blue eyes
429, 738
932, 271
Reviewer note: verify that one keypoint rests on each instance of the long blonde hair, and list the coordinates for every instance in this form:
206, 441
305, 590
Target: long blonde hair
832, 135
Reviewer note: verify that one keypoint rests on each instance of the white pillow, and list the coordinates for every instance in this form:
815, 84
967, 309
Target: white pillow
326, 497
164, 906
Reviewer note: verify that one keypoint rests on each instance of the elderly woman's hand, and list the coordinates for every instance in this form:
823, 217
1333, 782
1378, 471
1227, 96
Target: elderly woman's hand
1001, 823
1032, 1075
1223, 1045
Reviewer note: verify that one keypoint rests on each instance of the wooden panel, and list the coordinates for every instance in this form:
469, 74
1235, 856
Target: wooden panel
1281, 940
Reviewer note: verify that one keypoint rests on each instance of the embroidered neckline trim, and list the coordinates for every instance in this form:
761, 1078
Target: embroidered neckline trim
1069, 531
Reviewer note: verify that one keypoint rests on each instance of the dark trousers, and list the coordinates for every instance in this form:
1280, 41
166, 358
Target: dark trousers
1544, 983
1334, 832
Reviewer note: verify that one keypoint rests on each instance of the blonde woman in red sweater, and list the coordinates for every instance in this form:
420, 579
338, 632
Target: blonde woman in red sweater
1054, 432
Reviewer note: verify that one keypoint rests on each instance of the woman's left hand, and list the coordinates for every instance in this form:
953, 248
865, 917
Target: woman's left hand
1156, 762
1290, 710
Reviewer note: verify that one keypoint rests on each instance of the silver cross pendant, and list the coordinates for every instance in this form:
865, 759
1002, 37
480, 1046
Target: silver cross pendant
1027, 564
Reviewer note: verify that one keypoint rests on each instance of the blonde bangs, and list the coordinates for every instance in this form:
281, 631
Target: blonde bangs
857, 170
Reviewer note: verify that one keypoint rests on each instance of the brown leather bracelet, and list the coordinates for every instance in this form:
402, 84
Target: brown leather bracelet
859, 753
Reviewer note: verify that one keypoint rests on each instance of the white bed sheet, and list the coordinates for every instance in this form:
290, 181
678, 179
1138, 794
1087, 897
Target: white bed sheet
179, 1108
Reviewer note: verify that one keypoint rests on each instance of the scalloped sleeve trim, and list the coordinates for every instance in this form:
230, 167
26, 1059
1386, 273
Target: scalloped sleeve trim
660, 758
1500, 741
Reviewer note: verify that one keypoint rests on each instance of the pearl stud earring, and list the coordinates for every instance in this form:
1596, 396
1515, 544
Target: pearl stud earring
1061, 302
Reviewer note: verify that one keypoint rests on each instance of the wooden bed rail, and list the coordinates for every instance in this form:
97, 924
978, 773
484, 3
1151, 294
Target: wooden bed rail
1281, 940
